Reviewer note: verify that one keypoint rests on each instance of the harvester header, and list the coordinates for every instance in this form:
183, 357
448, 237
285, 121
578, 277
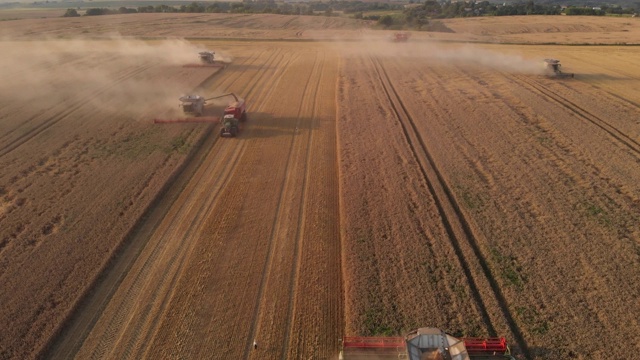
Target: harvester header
425, 343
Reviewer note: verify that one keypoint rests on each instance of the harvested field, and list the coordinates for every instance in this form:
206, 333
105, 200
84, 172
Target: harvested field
376, 188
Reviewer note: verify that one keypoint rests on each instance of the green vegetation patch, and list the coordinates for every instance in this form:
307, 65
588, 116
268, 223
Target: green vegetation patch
595, 211
470, 199
532, 320
510, 270
374, 324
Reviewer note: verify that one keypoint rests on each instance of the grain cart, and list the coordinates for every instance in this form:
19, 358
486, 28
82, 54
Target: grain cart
234, 114
553, 69
424, 343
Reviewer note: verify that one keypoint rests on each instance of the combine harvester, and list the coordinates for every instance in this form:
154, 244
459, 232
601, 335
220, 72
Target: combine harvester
207, 59
424, 344
552, 68
194, 105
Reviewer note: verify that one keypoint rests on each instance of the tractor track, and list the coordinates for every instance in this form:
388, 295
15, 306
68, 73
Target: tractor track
58, 348
175, 262
235, 151
288, 22
62, 114
618, 97
437, 184
296, 264
262, 91
582, 113
76, 329
277, 219
255, 84
308, 94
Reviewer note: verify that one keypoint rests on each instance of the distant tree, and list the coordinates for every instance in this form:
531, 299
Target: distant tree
238, 8
432, 7
213, 8
529, 7
583, 11
145, 9
124, 10
95, 12
71, 13
194, 7
165, 9
386, 21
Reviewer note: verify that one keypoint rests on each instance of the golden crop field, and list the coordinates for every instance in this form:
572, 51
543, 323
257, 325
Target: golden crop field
375, 188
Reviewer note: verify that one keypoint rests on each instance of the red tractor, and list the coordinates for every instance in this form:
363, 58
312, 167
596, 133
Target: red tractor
234, 114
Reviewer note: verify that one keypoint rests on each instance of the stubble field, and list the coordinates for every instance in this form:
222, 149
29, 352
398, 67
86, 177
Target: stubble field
376, 187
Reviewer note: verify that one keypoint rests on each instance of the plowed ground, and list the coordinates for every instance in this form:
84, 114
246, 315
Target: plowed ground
375, 188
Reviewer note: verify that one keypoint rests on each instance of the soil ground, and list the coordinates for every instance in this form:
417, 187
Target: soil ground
375, 188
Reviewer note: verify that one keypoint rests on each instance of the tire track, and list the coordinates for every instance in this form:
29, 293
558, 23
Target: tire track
278, 214
183, 251
267, 89
125, 308
98, 305
288, 22
248, 90
296, 264
264, 90
156, 320
437, 184
582, 113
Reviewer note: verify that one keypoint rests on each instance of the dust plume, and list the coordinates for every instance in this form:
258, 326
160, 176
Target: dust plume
123, 76
426, 52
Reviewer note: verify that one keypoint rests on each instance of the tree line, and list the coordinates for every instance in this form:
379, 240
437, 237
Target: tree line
398, 16
330, 8
448, 9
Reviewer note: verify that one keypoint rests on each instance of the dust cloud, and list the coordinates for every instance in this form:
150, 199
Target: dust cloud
118, 75
426, 52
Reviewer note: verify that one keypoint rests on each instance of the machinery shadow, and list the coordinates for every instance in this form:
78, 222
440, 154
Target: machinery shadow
549, 353
602, 77
266, 125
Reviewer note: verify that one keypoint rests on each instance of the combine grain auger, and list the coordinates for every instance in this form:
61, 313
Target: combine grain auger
194, 106
424, 343
553, 69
